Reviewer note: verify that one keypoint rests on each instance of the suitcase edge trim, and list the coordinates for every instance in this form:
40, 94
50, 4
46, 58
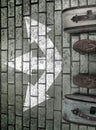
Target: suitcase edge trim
78, 7
67, 96
87, 29
69, 121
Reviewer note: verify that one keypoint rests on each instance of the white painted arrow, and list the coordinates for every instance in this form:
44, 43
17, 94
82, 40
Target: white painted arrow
39, 89
34, 90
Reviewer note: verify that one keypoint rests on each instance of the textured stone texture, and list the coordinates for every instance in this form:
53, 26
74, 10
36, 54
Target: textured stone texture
15, 42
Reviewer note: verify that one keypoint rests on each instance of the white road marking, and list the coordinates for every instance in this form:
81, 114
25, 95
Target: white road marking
39, 89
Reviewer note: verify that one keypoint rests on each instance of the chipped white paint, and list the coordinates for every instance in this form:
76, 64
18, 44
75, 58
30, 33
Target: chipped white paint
30, 101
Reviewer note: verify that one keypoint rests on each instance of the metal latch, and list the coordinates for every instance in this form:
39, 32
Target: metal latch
92, 110
88, 16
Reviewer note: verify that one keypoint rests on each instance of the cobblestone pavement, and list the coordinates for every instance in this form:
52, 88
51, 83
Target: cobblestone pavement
16, 74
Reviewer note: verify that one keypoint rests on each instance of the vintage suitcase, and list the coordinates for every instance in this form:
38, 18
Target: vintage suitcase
80, 109
80, 19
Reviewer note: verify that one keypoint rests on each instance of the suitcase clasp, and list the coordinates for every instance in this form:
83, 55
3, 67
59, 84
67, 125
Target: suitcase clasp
88, 16
92, 110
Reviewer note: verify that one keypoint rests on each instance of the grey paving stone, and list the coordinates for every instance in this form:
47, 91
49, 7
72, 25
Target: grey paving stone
74, 127
92, 67
34, 78
25, 128
65, 126
11, 113
26, 47
57, 5
34, 1
25, 77
57, 100
75, 90
4, 17
75, 71
4, 99
3, 60
19, 105
11, 49
34, 8
33, 124
75, 55
75, 68
4, 39
57, 121
19, 86
92, 91
50, 34
66, 4
83, 90
83, 63
4, 82
49, 110
19, 16
66, 40
26, 117
11, 94
66, 84
10, 75
19, 38
4, 122
41, 117
49, 125
58, 23
18, 123
82, 3
91, 2
42, 6
58, 81
91, 128
3, 3
66, 60
83, 127
58, 43
11, 8
74, 3
42, 19
11, 28
25, 34
83, 36
50, 13
11, 127
26, 7
34, 112
18, 2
